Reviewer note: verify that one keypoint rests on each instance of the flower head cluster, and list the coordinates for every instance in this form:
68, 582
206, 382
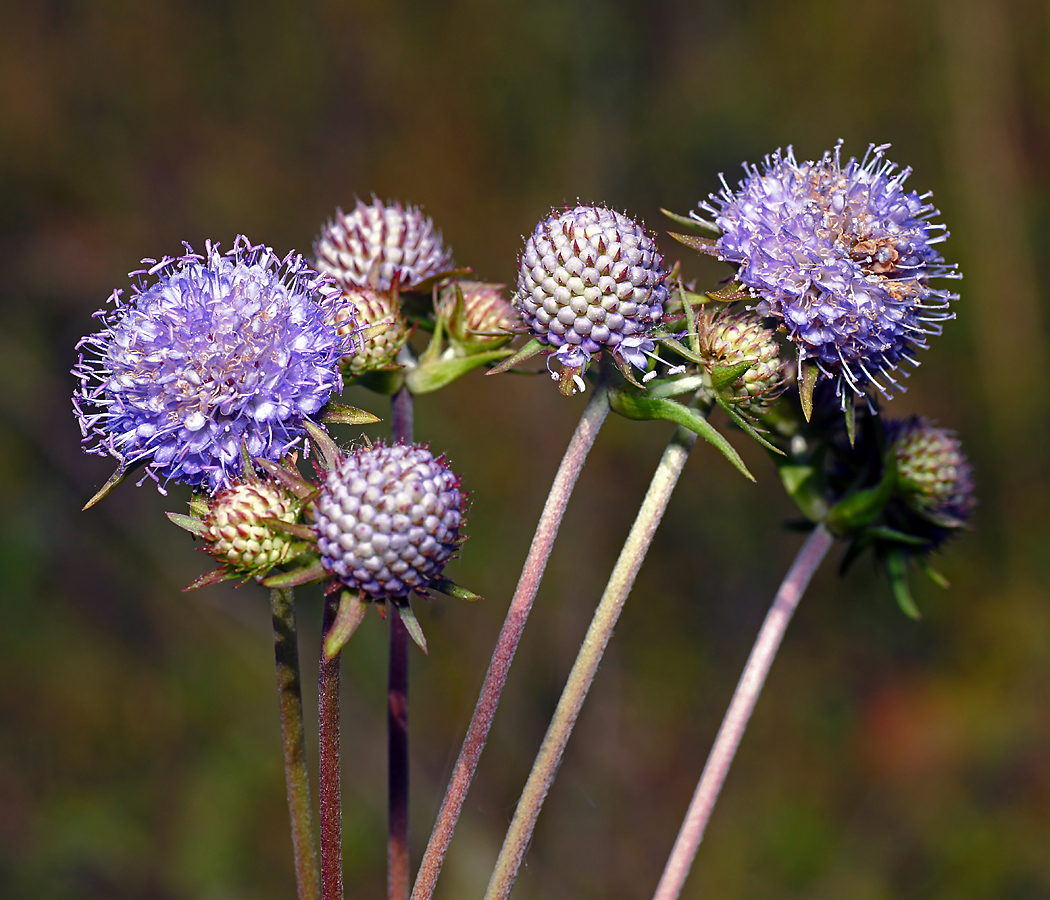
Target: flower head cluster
590, 277
733, 337
933, 475
382, 330
374, 244
843, 255
485, 319
388, 519
222, 350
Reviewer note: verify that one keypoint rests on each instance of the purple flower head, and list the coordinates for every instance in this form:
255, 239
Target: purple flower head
589, 278
221, 350
843, 255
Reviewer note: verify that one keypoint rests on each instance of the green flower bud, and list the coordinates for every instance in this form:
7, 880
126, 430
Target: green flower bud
383, 330
234, 534
728, 339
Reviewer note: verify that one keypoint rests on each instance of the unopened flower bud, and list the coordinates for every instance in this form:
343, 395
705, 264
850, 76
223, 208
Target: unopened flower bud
733, 337
933, 475
233, 530
381, 327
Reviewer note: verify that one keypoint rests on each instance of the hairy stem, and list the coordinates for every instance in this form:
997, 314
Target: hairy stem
583, 671
289, 692
740, 708
503, 655
397, 705
331, 801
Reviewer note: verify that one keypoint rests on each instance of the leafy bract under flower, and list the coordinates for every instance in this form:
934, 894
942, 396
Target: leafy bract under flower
843, 255
222, 350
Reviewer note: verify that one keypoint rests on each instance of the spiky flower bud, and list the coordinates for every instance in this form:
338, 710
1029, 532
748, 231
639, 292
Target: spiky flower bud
388, 519
933, 475
233, 529
589, 278
842, 255
730, 338
383, 329
374, 244
486, 318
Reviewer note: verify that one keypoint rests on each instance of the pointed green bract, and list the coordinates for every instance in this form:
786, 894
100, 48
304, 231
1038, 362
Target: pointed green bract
290, 479
695, 224
337, 414
703, 245
330, 454
188, 523
527, 352
451, 589
408, 618
897, 570
431, 375
803, 486
303, 575
351, 613
723, 375
115, 479
850, 409
807, 381
632, 406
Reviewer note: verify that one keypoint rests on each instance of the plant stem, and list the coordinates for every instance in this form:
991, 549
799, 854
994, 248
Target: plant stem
740, 708
532, 572
583, 671
331, 800
397, 705
289, 692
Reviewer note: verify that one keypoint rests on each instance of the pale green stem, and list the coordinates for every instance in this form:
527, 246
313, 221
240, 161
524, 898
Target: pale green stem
513, 626
289, 692
739, 712
583, 671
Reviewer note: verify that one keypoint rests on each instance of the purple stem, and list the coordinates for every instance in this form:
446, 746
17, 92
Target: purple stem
331, 801
397, 705
503, 655
741, 706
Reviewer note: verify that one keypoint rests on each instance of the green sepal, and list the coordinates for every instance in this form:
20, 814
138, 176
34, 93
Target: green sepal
633, 406
303, 532
859, 509
188, 523
896, 564
338, 414
807, 381
350, 614
288, 478
451, 589
625, 368
383, 381
744, 425
411, 623
729, 294
893, 536
330, 455
688, 301
303, 575
432, 375
104, 491
936, 577
527, 352
694, 224
199, 505
682, 350
850, 409
723, 375
803, 487
215, 576
672, 387
700, 244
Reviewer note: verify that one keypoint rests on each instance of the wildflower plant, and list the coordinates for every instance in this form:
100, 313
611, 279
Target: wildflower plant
222, 366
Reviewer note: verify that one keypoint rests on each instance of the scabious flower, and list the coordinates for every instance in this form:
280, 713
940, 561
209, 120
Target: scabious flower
591, 278
933, 475
372, 245
486, 317
388, 519
842, 255
220, 351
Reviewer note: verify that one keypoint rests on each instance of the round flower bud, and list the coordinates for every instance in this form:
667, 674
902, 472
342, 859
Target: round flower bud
842, 255
487, 315
361, 309
737, 336
388, 519
933, 475
234, 533
589, 278
372, 245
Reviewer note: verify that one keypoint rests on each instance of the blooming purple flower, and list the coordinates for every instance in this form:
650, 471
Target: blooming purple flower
843, 255
221, 350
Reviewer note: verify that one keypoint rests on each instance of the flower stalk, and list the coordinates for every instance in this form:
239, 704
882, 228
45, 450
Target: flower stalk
514, 624
330, 774
289, 691
796, 581
586, 666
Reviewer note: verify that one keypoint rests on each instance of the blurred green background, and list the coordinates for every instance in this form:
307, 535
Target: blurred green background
139, 748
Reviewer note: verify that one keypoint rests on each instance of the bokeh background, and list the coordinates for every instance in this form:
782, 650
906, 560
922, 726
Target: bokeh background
139, 746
